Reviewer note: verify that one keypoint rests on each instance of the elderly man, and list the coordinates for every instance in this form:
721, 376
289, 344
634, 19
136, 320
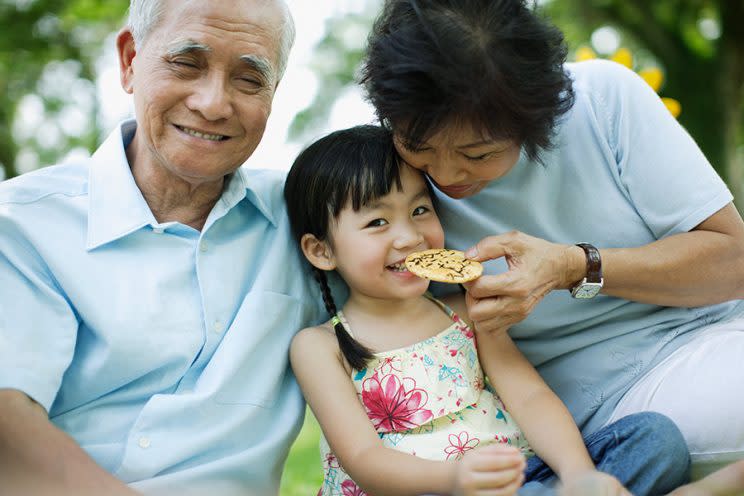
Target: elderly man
148, 294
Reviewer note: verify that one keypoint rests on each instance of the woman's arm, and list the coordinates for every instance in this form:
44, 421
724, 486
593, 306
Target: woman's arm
328, 389
700, 267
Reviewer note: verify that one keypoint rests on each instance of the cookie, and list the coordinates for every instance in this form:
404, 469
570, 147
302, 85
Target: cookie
443, 265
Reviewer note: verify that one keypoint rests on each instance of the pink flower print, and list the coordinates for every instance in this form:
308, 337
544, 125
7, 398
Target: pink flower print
478, 383
331, 461
460, 444
349, 488
500, 438
388, 365
394, 405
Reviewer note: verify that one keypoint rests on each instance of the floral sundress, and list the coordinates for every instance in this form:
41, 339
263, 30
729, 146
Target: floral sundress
428, 399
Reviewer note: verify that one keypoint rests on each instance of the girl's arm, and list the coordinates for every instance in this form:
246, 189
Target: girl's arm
328, 389
542, 416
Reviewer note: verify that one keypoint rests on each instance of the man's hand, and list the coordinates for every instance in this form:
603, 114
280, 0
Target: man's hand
536, 267
496, 470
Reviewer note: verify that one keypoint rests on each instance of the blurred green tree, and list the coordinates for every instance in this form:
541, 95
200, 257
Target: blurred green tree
699, 44
48, 51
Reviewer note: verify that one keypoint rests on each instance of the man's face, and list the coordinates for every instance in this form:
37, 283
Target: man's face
203, 81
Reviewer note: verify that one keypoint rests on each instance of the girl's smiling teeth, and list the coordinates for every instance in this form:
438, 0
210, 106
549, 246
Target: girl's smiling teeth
197, 134
398, 267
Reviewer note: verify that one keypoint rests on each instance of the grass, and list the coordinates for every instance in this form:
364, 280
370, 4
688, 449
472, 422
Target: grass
303, 472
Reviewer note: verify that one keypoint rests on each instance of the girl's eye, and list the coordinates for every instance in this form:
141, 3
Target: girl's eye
420, 210
377, 223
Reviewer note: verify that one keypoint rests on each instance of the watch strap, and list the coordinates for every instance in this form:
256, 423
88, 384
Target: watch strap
593, 263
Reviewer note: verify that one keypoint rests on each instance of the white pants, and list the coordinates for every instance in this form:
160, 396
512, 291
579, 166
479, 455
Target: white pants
700, 387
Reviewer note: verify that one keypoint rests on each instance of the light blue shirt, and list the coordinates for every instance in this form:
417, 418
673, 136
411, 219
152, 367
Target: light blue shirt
623, 173
162, 350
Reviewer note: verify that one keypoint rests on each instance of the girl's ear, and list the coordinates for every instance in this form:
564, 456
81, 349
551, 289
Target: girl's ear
317, 252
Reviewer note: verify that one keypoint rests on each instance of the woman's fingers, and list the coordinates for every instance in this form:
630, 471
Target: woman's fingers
488, 248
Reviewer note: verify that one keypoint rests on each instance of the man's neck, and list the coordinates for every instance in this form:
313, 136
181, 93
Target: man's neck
171, 198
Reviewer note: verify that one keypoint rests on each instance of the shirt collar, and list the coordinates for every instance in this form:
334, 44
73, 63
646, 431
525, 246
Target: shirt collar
117, 207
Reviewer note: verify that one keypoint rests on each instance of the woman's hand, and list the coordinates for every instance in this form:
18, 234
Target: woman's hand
593, 483
496, 470
536, 267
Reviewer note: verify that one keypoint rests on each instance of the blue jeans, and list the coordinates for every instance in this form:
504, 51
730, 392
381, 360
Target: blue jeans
645, 451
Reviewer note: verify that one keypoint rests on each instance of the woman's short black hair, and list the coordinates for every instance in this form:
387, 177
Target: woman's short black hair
493, 64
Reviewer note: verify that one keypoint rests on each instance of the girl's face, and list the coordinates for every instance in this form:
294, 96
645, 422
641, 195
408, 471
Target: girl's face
459, 160
369, 246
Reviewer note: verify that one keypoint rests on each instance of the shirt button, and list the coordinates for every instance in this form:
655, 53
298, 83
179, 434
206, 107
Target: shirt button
203, 247
218, 326
158, 230
144, 442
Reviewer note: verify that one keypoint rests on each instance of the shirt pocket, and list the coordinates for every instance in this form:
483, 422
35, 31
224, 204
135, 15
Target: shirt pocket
253, 358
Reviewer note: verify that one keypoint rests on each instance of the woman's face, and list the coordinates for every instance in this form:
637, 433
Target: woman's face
459, 160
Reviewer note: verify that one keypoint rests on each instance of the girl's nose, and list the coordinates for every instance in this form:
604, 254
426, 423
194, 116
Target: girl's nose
408, 237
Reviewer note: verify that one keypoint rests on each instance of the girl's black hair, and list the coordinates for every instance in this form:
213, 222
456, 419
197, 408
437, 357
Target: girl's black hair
353, 166
494, 64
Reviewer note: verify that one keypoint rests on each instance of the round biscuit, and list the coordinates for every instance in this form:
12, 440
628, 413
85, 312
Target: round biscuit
443, 265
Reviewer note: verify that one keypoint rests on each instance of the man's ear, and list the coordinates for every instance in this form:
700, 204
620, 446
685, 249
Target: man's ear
126, 49
317, 252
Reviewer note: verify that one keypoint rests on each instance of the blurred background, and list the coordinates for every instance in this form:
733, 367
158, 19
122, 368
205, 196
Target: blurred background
60, 93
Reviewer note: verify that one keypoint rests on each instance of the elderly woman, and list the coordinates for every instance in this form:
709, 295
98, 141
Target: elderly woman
618, 256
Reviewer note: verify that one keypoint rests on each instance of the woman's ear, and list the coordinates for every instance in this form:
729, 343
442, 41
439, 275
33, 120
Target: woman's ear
317, 252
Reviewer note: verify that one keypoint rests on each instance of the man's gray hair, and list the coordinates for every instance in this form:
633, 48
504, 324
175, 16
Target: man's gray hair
145, 14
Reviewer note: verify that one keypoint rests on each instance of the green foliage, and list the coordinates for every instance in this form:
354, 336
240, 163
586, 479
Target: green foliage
303, 473
336, 61
38, 37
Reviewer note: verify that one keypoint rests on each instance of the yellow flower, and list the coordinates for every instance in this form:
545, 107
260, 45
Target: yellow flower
652, 75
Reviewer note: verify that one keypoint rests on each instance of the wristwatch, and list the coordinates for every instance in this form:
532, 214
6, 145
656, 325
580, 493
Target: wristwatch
591, 284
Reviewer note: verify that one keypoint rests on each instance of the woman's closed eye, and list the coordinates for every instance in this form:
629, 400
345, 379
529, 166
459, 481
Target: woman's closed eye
477, 158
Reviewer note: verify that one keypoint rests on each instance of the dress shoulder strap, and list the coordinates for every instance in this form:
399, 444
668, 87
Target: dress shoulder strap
446, 309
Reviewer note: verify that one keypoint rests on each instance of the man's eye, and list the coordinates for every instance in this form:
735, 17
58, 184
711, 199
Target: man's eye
185, 64
377, 223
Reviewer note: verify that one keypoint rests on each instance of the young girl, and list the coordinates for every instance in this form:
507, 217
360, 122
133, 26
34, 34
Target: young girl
394, 378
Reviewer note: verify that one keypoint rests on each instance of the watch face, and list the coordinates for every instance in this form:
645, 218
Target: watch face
587, 290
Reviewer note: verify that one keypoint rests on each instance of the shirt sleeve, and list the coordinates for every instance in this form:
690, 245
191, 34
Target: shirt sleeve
667, 178
38, 327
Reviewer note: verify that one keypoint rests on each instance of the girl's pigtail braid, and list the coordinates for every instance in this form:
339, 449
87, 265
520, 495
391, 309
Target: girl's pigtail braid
354, 352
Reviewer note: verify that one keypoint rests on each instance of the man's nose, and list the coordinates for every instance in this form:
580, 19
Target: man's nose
212, 99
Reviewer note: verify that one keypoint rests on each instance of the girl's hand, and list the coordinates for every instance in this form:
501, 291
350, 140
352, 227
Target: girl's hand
593, 483
495, 470
536, 267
